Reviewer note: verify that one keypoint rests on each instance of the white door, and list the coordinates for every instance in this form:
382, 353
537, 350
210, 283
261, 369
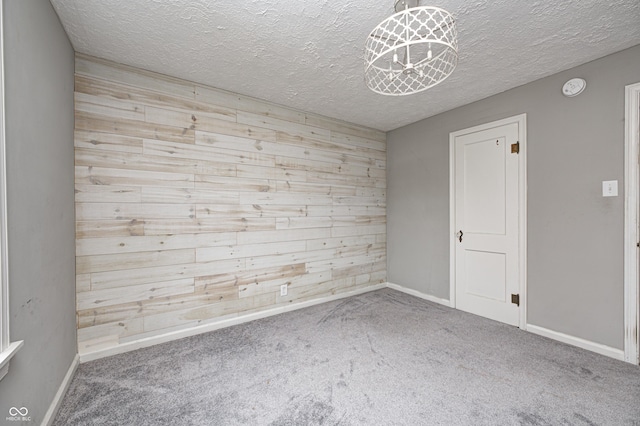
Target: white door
486, 221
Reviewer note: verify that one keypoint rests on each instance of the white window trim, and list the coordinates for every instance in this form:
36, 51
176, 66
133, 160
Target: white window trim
7, 349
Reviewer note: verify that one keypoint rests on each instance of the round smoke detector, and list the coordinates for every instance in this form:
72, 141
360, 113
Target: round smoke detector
574, 87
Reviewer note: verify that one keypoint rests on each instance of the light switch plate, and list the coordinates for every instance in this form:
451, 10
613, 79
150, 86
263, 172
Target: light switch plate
610, 188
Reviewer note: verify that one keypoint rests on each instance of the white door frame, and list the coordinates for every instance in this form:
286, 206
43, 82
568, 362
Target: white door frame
631, 198
521, 120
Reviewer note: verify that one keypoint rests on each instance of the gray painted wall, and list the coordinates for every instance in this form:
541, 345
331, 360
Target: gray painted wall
575, 236
39, 65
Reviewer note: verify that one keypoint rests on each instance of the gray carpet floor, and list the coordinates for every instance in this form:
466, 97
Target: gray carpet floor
381, 358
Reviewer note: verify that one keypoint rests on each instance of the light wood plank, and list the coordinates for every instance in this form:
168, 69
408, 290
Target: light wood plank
109, 228
238, 142
114, 296
360, 201
87, 193
223, 127
198, 152
312, 291
288, 258
110, 90
124, 280
334, 243
208, 225
315, 188
242, 185
83, 282
337, 287
308, 222
292, 150
97, 344
283, 235
263, 198
273, 286
143, 259
378, 277
353, 140
159, 194
340, 179
373, 256
113, 331
138, 276
285, 149
334, 145
243, 278
367, 250
365, 191
116, 313
341, 169
107, 176
345, 231
267, 109
275, 173
209, 254
106, 142
279, 125
133, 128
332, 221
185, 119
195, 316
135, 77
108, 107
134, 161
213, 96
130, 211
359, 270
343, 127
94, 246
346, 210
212, 211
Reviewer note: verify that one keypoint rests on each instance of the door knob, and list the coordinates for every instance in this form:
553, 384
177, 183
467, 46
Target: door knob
459, 235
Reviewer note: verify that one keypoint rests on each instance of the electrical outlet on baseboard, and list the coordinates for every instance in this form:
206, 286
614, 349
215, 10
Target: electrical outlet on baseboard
283, 290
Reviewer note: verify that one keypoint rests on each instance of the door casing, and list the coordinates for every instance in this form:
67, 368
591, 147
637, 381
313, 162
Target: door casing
521, 120
631, 232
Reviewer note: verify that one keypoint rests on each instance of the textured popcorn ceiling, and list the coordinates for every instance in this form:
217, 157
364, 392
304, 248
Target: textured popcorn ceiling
308, 54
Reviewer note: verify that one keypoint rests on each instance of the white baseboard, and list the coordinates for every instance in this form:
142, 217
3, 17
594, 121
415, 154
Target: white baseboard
577, 341
416, 293
216, 325
555, 335
62, 390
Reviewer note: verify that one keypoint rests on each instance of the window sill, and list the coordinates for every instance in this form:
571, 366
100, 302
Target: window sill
6, 355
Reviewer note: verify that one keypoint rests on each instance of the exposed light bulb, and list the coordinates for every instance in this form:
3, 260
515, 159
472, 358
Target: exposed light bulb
395, 58
429, 54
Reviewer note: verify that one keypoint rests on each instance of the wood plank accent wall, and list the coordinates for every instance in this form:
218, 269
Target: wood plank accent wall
195, 205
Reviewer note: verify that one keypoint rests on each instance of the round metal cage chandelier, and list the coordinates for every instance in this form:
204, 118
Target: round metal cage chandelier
412, 50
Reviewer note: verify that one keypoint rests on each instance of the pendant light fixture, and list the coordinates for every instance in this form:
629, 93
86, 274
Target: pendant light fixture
412, 50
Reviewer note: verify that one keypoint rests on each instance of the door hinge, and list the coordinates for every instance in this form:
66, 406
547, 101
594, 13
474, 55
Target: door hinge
515, 299
515, 148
